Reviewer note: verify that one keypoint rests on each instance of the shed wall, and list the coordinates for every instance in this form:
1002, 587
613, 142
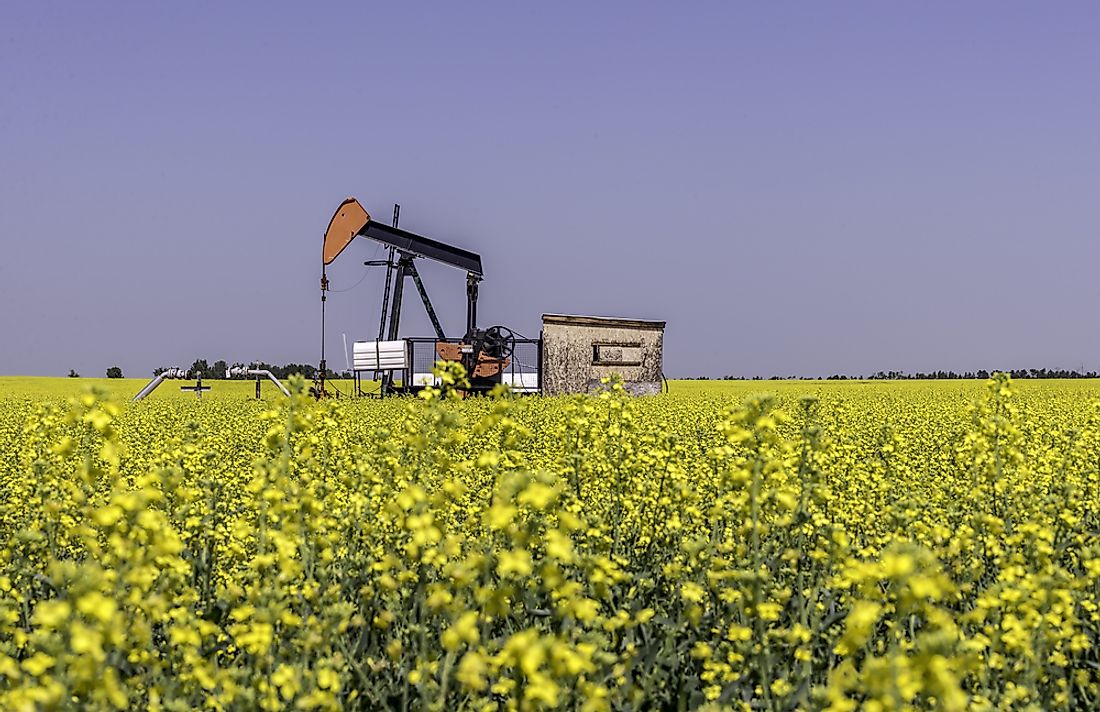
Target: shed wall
577, 355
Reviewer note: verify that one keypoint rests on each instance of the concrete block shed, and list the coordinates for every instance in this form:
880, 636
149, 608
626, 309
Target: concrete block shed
578, 351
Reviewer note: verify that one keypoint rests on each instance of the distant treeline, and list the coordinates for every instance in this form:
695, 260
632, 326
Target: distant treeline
207, 371
1022, 373
309, 371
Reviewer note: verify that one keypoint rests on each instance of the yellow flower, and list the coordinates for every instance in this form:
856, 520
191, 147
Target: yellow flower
857, 626
769, 611
328, 679
52, 614
541, 689
472, 670
701, 651
537, 495
516, 561
692, 592
559, 546
38, 664
464, 630
97, 606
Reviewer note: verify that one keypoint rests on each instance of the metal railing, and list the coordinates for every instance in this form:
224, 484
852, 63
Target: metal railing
521, 371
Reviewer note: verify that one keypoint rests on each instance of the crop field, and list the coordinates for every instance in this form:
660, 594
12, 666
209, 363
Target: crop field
884, 546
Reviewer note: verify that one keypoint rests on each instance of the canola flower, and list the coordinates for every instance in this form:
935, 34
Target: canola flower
895, 547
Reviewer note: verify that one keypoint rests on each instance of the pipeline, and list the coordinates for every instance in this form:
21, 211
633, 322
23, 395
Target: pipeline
231, 372
152, 385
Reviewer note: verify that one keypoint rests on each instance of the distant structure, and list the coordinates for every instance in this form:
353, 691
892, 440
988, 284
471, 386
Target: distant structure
573, 354
579, 351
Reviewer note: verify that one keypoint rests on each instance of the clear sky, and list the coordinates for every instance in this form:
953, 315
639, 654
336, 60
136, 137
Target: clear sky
797, 188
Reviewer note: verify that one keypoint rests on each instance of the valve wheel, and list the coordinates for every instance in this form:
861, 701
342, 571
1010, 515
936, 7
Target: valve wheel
499, 342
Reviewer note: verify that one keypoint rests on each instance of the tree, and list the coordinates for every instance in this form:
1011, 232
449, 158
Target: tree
199, 368
73, 373
114, 372
220, 367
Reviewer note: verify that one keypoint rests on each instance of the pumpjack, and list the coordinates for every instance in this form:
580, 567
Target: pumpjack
485, 353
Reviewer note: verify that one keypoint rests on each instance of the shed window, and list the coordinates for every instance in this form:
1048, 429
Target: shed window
617, 354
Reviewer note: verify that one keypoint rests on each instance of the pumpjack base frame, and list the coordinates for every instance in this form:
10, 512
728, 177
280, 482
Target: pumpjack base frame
523, 370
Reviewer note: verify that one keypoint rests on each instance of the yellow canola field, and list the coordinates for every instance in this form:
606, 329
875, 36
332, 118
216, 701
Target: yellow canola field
835, 545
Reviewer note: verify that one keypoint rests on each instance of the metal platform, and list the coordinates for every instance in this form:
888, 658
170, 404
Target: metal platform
521, 371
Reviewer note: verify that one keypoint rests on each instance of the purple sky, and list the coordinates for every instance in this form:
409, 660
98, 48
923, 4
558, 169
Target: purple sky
797, 188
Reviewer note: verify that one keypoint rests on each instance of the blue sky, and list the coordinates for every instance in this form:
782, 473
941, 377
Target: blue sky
796, 188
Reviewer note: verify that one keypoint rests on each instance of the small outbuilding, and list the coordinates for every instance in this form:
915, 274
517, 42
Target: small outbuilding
579, 351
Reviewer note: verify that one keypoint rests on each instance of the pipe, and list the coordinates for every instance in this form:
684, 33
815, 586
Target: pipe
274, 380
152, 385
471, 304
230, 373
